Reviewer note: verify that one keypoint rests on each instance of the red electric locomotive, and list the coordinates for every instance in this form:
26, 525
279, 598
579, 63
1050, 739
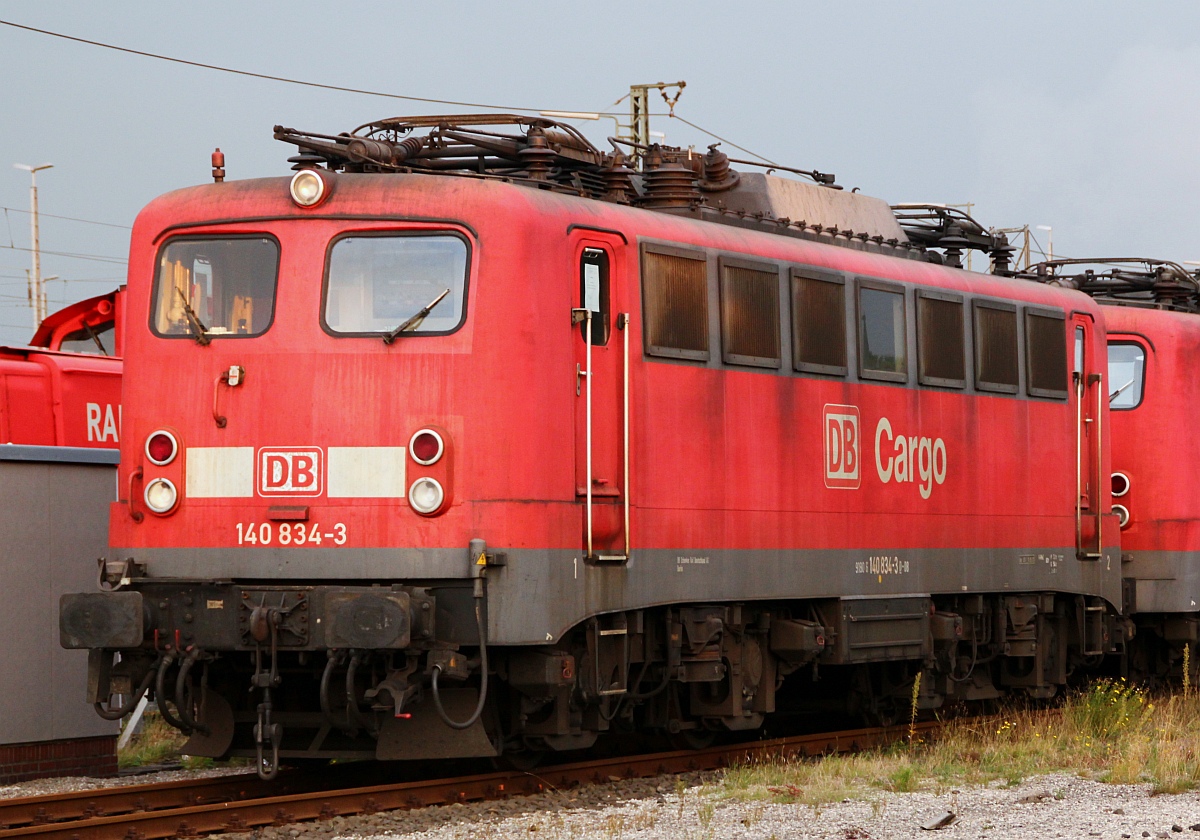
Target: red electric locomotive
470, 438
1150, 311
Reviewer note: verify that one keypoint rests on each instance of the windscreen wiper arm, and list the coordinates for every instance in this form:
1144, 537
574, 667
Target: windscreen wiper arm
1117, 392
414, 321
199, 331
96, 338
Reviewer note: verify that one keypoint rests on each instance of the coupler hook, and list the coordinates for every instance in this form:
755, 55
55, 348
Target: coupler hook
265, 731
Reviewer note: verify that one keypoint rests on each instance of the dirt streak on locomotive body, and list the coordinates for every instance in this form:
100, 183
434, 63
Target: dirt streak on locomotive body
632, 464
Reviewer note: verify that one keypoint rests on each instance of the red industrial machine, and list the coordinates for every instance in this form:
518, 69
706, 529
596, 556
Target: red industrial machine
471, 438
65, 388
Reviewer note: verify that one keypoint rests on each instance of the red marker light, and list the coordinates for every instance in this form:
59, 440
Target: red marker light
161, 448
426, 447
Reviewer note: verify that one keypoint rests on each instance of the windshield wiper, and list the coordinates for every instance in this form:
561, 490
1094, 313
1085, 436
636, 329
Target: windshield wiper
199, 331
1117, 392
415, 321
96, 338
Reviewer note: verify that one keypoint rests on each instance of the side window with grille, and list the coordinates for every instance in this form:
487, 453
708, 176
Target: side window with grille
1046, 352
818, 322
882, 332
749, 313
675, 302
941, 347
996, 365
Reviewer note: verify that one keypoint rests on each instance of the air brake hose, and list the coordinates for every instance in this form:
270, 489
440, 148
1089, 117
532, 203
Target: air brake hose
483, 673
182, 703
160, 696
130, 704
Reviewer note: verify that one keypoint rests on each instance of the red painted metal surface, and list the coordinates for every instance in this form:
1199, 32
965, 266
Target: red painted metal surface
52, 397
59, 399
747, 475
1156, 444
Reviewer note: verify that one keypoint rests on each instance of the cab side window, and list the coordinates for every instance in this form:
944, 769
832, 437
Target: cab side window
1126, 375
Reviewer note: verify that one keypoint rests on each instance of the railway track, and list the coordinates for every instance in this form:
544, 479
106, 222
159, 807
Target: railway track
243, 802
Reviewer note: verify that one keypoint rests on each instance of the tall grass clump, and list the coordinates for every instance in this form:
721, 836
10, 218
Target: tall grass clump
1111, 731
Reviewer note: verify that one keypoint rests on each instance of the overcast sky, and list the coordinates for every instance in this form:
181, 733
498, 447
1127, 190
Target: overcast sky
1082, 116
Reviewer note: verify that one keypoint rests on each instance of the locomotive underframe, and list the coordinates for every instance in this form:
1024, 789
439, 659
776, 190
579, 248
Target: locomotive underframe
344, 671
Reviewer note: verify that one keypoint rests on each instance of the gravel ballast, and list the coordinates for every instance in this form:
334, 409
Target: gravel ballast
1046, 806
696, 806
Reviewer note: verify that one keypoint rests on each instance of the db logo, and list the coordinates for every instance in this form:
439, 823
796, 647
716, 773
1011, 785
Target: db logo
289, 471
841, 446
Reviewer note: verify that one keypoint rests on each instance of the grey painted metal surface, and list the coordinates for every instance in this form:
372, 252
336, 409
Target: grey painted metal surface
565, 590
1167, 581
53, 523
59, 454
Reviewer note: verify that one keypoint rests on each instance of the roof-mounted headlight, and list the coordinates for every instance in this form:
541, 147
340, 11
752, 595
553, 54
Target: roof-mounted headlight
310, 187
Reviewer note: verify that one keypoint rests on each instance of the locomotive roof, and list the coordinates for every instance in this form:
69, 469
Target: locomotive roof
543, 154
1124, 281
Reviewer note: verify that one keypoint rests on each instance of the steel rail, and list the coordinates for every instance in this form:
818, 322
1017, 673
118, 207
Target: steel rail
212, 817
124, 799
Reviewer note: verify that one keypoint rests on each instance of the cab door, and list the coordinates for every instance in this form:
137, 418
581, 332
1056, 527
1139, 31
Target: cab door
1088, 395
599, 320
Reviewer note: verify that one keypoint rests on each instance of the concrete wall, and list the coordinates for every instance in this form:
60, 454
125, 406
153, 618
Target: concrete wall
53, 525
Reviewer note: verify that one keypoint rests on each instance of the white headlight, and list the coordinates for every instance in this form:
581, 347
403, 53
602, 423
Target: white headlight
308, 188
1122, 513
426, 495
160, 495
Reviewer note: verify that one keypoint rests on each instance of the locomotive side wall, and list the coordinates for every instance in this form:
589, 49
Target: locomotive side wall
504, 386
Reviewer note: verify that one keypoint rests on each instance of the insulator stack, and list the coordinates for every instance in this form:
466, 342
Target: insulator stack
1002, 255
717, 174
537, 155
618, 181
671, 185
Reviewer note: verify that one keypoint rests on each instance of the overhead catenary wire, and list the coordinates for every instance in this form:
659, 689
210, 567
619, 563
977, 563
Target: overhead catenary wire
69, 255
344, 89
8, 210
266, 76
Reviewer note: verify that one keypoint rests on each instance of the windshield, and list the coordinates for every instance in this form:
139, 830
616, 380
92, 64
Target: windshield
1126, 369
97, 338
208, 288
377, 284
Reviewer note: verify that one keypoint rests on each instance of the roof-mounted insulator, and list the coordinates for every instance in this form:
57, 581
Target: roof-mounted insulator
218, 165
618, 180
1002, 254
718, 176
537, 155
668, 183
305, 160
